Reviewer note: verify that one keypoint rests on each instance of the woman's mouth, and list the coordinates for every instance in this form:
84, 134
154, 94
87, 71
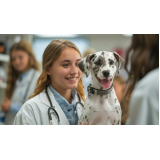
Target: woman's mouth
72, 79
105, 83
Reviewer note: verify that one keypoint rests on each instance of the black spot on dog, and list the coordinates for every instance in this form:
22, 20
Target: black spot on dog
102, 53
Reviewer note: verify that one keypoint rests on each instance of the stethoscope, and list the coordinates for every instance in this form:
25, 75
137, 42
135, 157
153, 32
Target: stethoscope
52, 108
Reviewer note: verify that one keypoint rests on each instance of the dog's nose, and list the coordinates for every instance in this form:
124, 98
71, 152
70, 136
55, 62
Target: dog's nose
106, 73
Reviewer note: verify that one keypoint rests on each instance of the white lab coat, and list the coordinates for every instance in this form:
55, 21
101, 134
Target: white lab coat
19, 92
144, 104
35, 111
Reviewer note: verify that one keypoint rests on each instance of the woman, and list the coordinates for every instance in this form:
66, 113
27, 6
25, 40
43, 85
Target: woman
22, 77
143, 82
59, 86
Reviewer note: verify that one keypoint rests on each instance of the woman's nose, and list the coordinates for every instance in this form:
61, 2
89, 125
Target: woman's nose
74, 69
16, 61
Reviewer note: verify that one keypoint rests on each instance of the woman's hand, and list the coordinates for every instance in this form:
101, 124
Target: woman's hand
6, 105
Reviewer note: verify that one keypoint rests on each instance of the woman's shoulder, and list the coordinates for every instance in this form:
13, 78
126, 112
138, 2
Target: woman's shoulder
31, 111
31, 102
148, 87
36, 71
150, 81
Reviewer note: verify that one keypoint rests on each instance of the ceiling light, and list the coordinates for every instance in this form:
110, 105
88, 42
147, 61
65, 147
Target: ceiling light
55, 35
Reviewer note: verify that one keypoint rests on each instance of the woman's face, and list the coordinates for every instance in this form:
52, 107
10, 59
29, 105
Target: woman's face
19, 60
65, 72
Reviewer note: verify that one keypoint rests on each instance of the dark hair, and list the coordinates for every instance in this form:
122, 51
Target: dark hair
142, 56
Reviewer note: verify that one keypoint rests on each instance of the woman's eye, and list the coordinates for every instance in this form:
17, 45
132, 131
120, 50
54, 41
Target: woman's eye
65, 65
98, 62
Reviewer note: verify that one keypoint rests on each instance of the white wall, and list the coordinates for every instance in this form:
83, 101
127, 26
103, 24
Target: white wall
108, 42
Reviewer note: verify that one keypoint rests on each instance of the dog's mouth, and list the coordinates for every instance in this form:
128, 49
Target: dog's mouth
105, 83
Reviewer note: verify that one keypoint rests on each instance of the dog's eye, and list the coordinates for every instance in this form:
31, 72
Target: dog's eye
98, 63
111, 62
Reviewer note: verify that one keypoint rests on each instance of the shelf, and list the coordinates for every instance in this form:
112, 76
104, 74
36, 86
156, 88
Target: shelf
4, 58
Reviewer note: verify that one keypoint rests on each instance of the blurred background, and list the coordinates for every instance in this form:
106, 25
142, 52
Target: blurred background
96, 42
87, 43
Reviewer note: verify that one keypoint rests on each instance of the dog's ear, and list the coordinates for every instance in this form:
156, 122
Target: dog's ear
84, 64
120, 60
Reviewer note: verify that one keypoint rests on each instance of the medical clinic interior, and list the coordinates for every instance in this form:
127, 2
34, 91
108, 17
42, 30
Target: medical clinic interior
79, 79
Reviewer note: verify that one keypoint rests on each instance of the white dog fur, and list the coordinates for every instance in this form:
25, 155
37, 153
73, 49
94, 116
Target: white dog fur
101, 106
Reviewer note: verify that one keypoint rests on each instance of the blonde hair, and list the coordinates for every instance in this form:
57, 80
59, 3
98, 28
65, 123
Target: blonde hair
14, 74
50, 55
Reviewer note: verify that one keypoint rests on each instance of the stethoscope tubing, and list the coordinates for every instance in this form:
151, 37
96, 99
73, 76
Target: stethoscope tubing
53, 108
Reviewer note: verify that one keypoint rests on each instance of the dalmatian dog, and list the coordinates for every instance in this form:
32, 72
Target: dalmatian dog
101, 106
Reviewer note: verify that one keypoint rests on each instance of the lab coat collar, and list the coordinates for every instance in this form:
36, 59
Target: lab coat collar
44, 100
63, 118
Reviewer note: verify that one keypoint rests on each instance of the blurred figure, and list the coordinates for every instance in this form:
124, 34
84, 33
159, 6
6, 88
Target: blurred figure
21, 81
87, 81
119, 84
143, 81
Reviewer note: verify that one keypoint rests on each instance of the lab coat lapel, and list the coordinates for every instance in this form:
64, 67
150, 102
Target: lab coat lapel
44, 99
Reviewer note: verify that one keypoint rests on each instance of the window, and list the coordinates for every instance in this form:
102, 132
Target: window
39, 45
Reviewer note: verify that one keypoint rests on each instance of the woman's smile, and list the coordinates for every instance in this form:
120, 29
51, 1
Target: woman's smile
72, 79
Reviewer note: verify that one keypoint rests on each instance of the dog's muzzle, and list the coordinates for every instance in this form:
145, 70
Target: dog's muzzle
106, 73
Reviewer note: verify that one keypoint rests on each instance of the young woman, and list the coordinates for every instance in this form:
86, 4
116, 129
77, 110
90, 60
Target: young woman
22, 77
59, 94
143, 82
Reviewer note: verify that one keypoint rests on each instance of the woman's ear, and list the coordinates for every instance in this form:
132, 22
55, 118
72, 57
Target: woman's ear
48, 71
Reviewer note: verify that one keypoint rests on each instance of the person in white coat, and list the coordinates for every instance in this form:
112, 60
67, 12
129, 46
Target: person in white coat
23, 73
59, 95
143, 80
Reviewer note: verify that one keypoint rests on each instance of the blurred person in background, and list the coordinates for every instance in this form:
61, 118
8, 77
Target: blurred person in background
119, 84
59, 88
143, 81
87, 81
23, 73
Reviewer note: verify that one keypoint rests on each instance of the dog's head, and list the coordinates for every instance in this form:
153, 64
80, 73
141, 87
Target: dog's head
103, 66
